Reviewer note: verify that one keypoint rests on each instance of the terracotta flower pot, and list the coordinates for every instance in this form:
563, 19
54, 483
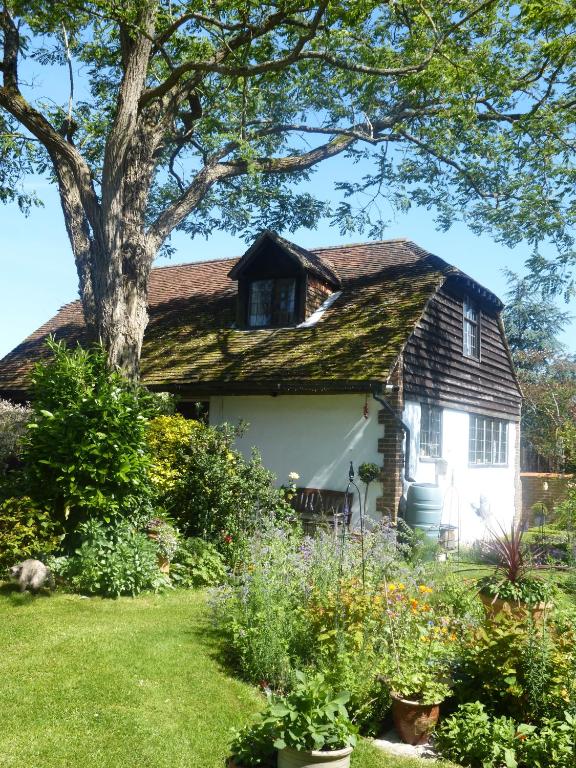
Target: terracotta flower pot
493, 606
294, 758
414, 721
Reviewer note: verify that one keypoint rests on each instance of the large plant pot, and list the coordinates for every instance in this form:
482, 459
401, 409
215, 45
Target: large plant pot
493, 606
294, 758
414, 721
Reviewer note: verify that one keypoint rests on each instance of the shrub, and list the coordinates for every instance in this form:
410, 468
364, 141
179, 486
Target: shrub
471, 737
519, 668
197, 563
474, 738
13, 420
113, 560
208, 488
86, 448
25, 531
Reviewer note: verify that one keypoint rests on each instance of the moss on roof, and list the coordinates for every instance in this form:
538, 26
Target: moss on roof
191, 340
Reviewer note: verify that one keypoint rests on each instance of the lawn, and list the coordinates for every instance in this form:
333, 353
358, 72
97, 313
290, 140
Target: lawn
125, 683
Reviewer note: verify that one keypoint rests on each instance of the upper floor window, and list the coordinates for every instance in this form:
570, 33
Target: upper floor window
272, 303
488, 440
471, 330
430, 431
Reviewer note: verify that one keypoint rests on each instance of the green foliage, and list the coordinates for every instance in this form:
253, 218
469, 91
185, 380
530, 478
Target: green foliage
197, 563
253, 745
518, 668
471, 737
112, 560
26, 531
85, 453
207, 487
553, 745
310, 717
474, 738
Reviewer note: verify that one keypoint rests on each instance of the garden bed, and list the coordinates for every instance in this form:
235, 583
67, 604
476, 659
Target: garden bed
127, 682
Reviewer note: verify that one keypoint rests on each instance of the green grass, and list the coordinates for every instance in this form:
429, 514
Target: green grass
129, 683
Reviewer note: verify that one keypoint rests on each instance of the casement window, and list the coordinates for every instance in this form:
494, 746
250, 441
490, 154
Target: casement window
272, 303
471, 340
430, 431
488, 442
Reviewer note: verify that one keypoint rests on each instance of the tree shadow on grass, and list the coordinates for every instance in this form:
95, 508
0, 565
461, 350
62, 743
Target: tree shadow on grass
213, 641
17, 599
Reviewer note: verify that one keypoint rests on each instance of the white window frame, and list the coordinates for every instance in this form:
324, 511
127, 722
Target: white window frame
488, 442
430, 431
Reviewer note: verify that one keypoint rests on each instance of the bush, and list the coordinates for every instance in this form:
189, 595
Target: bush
113, 560
208, 488
86, 448
197, 563
471, 737
13, 420
25, 531
518, 668
474, 738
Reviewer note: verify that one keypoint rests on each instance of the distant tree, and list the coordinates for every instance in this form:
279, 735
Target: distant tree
196, 115
549, 413
547, 375
533, 323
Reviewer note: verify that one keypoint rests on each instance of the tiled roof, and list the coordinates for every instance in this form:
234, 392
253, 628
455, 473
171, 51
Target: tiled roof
191, 339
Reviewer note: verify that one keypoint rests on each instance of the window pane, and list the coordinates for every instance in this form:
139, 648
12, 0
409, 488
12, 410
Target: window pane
430, 431
488, 441
285, 300
260, 303
471, 341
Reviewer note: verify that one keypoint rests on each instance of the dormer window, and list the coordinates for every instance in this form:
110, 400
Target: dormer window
280, 284
272, 303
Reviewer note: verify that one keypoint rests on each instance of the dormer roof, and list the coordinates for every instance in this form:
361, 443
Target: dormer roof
308, 260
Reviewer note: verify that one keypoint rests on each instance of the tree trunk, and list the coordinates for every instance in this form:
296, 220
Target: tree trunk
120, 293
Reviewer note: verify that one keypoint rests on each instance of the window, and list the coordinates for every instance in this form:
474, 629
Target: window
471, 330
488, 441
430, 431
272, 303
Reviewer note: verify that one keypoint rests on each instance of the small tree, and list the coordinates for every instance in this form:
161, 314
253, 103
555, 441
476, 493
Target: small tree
85, 453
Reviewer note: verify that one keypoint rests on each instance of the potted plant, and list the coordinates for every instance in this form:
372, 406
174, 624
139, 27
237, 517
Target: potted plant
166, 539
309, 726
417, 669
511, 586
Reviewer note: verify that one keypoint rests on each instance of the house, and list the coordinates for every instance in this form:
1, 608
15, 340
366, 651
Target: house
378, 352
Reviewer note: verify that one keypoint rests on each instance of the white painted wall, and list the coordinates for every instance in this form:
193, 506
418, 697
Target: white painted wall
463, 485
314, 435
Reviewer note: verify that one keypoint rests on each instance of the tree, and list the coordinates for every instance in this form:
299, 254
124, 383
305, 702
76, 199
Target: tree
547, 376
533, 322
195, 115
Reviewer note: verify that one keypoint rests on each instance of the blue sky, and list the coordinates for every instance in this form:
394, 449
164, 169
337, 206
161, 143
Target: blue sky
38, 274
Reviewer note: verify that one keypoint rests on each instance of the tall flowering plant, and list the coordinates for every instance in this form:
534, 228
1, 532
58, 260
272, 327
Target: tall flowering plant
421, 645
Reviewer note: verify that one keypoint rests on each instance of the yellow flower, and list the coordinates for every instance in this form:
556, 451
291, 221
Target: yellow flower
401, 586
424, 589
391, 587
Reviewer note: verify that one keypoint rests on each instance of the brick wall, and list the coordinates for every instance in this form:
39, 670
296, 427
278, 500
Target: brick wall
535, 494
390, 448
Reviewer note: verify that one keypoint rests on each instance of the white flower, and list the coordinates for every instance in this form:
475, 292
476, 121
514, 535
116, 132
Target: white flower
293, 476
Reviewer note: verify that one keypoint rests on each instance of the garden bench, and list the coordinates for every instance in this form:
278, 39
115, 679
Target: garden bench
322, 508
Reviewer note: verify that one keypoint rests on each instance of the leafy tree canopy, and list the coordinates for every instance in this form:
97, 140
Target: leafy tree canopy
198, 115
